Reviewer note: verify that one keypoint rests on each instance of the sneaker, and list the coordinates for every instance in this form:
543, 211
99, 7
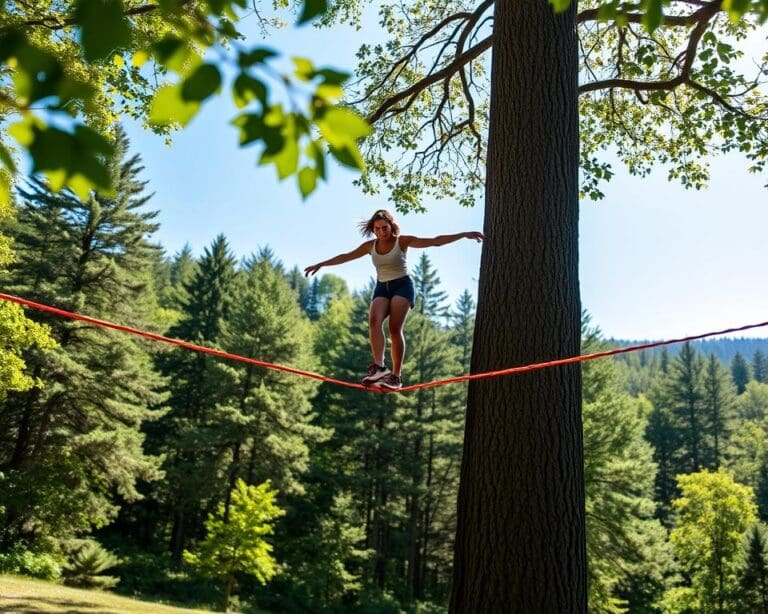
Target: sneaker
390, 382
375, 373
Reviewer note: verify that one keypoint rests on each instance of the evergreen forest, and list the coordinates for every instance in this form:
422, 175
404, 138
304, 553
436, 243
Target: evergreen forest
184, 478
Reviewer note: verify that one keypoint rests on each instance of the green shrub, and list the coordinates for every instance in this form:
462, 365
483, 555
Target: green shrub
86, 564
43, 565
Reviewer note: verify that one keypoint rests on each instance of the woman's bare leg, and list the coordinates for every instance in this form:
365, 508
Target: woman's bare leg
398, 311
378, 313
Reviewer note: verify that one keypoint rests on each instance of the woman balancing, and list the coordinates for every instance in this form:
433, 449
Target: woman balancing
394, 295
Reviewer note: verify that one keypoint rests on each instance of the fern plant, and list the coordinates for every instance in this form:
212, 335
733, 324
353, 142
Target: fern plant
86, 564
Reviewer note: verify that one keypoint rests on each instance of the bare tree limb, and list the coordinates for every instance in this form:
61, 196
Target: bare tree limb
389, 105
721, 100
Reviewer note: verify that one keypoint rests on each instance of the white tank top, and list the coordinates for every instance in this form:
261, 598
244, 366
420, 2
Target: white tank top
391, 265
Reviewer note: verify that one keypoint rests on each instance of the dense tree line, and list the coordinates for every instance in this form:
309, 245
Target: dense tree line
158, 455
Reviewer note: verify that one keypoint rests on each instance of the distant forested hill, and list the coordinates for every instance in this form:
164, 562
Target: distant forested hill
724, 349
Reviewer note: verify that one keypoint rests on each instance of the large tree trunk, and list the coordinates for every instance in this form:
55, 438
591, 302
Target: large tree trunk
520, 543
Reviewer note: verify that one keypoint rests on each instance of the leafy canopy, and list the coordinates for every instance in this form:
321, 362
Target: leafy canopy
73, 67
660, 82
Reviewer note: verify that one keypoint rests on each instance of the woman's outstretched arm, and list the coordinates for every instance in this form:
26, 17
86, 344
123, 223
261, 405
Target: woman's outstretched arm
409, 241
361, 251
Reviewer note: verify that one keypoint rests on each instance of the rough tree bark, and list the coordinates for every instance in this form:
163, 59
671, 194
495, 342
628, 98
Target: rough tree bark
520, 544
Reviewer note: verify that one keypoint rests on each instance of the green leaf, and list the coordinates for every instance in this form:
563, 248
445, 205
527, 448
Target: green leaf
607, 12
176, 55
316, 152
169, 107
286, 160
10, 41
246, 89
38, 73
253, 128
103, 27
52, 150
78, 159
560, 5
204, 81
92, 142
307, 181
217, 6
329, 93
312, 8
735, 8
340, 126
349, 155
257, 55
24, 131
71, 89
304, 68
330, 76
652, 14
227, 29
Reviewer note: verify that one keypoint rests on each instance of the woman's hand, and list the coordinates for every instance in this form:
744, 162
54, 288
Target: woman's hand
311, 270
477, 236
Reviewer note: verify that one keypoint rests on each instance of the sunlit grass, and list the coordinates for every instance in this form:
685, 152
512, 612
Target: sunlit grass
19, 594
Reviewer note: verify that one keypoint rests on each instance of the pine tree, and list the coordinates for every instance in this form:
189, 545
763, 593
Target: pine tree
323, 538
268, 411
300, 285
719, 399
626, 550
664, 366
752, 404
746, 451
364, 457
432, 424
761, 490
429, 298
315, 296
753, 577
739, 372
682, 392
177, 275
665, 440
463, 326
397, 456
760, 367
82, 429
188, 434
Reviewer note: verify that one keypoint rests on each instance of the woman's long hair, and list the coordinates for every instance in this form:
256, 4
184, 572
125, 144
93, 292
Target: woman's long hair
366, 227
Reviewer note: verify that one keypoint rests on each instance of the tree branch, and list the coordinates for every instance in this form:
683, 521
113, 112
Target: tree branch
389, 104
704, 15
667, 20
720, 99
54, 23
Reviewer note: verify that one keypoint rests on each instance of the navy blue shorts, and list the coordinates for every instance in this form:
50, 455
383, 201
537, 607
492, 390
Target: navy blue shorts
402, 286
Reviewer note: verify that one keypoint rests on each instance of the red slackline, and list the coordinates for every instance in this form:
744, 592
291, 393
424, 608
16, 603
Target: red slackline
451, 380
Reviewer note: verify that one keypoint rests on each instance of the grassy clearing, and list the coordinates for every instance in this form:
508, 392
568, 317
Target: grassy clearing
19, 594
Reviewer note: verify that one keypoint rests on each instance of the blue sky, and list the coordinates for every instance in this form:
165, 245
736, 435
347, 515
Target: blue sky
657, 261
